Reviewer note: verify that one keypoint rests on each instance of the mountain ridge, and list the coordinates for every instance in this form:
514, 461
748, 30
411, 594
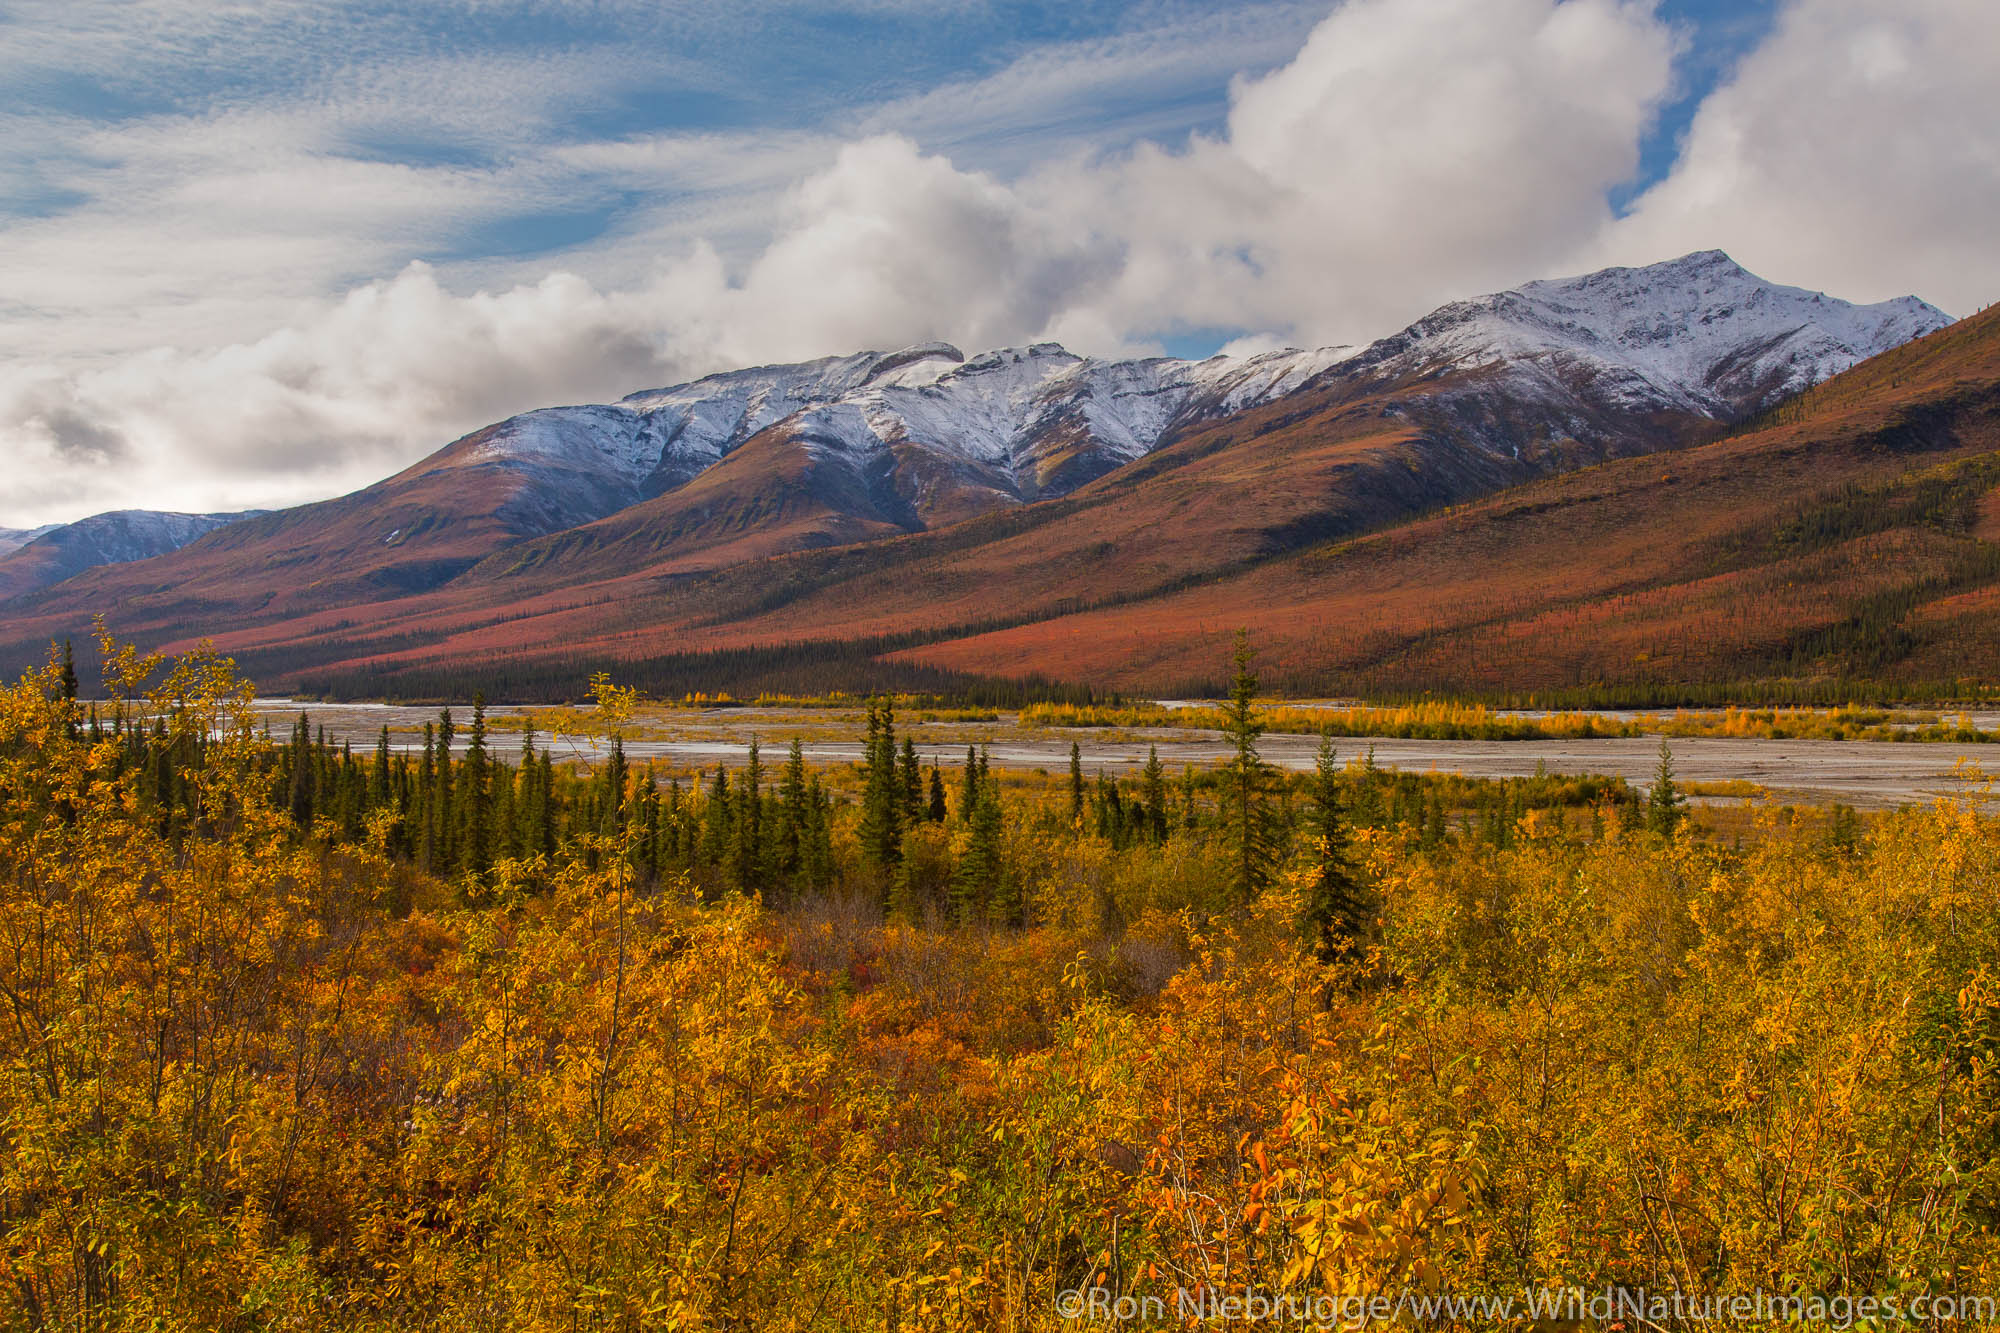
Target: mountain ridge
1128, 476
49, 554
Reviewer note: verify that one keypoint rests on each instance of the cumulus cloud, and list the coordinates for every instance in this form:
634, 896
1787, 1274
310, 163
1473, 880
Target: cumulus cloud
1414, 151
1409, 152
332, 403
1858, 145
891, 246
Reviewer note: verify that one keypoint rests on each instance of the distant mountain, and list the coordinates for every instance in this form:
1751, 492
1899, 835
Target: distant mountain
902, 442
57, 551
922, 489
12, 539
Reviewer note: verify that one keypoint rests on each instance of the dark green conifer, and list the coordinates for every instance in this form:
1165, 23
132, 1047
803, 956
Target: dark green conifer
1153, 795
1075, 784
882, 799
1245, 778
1338, 911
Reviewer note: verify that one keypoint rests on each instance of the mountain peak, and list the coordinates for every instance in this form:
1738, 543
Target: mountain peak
911, 356
1698, 333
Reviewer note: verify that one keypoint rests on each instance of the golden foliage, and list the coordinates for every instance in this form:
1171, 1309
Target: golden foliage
243, 1084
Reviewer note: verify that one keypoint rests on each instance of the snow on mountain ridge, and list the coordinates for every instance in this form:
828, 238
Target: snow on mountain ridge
12, 539
989, 411
1700, 332
115, 537
1696, 335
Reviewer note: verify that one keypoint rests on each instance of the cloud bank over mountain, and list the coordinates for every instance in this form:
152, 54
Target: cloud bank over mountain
278, 343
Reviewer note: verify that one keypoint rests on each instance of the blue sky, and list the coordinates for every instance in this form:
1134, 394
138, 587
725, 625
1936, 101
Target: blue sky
672, 69
254, 253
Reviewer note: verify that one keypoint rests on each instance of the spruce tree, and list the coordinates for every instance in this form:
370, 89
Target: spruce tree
521, 829
442, 803
425, 797
1110, 817
1434, 825
1245, 778
1153, 795
975, 880
746, 850
611, 795
1338, 909
353, 794
379, 779
816, 838
1665, 806
968, 785
715, 822
937, 810
1075, 784
882, 800
545, 804
649, 825
792, 813
912, 774
474, 797
301, 794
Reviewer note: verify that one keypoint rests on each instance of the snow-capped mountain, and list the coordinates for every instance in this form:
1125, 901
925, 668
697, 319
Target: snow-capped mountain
55, 552
1026, 423
1697, 334
1021, 423
1282, 450
13, 539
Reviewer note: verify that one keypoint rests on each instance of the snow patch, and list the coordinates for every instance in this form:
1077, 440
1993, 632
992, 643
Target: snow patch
1696, 334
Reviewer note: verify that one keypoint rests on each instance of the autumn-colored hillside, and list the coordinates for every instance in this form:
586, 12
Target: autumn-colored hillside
1851, 534
693, 572
1843, 541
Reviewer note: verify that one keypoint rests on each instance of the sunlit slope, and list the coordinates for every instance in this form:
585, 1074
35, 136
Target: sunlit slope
1850, 534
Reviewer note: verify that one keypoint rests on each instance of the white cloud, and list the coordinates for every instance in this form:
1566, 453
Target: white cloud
890, 246
1413, 152
1857, 149
324, 406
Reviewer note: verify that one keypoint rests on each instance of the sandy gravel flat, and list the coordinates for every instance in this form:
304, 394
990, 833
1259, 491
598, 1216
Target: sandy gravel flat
1866, 774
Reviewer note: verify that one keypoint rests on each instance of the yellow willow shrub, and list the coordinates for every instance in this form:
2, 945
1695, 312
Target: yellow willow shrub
1183, 873
638, 1128
1240, 1034
1362, 1203
942, 996
1858, 1101
1066, 876
179, 1020
1684, 1070
1057, 1198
